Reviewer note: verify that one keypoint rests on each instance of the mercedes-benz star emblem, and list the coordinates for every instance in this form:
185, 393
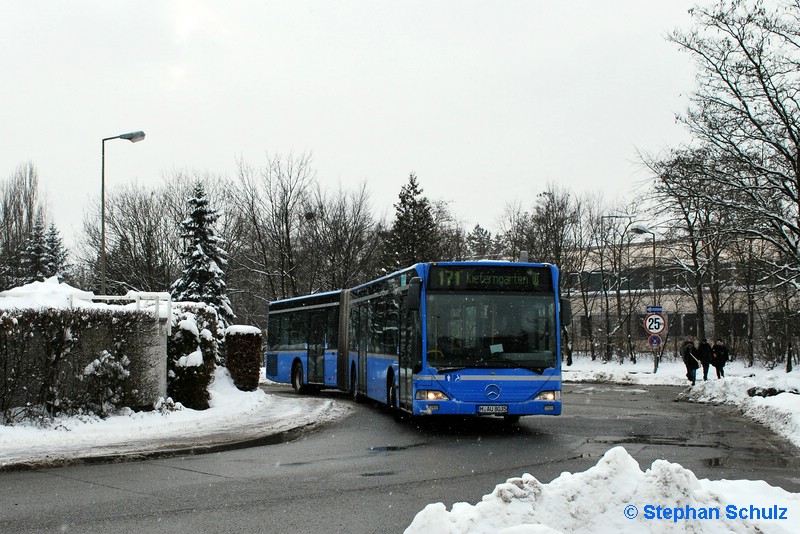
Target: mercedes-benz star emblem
492, 391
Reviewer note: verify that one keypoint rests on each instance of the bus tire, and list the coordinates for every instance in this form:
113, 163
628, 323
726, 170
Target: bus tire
297, 378
391, 399
511, 420
356, 396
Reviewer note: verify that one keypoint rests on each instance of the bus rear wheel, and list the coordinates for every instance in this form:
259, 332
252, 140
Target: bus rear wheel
354, 394
297, 378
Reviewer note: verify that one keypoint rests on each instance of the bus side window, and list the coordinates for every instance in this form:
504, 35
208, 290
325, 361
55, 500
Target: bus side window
332, 338
272, 333
277, 335
353, 334
283, 341
298, 330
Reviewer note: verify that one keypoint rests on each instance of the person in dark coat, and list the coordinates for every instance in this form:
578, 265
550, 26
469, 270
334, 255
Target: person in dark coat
690, 360
719, 357
704, 354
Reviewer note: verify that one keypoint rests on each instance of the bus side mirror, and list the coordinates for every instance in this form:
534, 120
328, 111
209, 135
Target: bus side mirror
566, 312
413, 297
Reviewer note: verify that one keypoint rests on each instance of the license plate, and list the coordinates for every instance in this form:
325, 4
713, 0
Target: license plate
493, 409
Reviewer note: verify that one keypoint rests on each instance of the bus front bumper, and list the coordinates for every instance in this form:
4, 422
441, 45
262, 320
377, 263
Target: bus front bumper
450, 407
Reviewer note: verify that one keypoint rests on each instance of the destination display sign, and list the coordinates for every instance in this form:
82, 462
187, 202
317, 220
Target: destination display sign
490, 278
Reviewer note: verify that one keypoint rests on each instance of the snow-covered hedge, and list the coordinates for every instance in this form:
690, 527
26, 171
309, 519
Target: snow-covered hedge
69, 361
191, 354
243, 355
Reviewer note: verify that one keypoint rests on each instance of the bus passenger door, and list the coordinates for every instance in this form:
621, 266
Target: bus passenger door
410, 357
316, 347
363, 333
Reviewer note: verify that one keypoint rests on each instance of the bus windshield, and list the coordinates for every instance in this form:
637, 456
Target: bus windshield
490, 330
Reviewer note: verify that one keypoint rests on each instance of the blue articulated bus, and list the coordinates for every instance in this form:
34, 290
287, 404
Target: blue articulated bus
455, 338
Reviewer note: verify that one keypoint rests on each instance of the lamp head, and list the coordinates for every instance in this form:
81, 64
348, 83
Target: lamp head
640, 229
133, 137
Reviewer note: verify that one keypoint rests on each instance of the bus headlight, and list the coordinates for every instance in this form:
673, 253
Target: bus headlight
549, 396
430, 395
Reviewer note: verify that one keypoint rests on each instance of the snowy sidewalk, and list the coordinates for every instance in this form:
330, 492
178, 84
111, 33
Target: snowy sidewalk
235, 419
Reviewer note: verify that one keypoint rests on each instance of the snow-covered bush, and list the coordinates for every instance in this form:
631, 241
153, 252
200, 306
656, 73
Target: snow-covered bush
105, 383
167, 406
243, 355
45, 354
191, 354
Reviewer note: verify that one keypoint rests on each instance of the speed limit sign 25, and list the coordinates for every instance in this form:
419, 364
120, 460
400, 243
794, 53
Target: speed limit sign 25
655, 323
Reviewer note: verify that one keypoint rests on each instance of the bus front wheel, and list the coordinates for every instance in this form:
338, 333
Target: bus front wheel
511, 420
391, 400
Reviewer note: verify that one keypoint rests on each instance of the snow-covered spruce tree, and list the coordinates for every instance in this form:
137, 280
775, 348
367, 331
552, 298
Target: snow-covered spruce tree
203, 259
55, 253
412, 237
33, 261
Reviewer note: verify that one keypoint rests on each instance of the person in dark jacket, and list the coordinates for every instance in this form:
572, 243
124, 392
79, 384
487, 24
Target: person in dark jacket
690, 360
704, 354
719, 357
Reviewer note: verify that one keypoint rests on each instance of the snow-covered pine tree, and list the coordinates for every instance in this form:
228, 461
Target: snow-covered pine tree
33, 262
203, 259
55, 253
480, 244
413, 236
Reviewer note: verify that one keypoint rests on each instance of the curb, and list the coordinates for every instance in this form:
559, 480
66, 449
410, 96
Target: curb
165, 451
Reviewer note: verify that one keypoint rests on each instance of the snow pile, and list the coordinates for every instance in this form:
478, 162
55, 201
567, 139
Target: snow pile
616, 496
48, 294
781, 412
59, 295
240, 329
640, 373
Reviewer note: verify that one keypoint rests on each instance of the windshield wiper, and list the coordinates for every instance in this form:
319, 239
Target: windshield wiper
448, 369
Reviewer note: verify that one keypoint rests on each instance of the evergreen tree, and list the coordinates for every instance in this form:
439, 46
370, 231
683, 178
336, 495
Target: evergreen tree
203, 259
413, 236
55, 254
480, 244
33, 263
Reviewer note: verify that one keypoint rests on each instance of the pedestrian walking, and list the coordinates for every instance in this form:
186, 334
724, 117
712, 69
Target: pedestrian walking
690, 359
719, 357
704, 354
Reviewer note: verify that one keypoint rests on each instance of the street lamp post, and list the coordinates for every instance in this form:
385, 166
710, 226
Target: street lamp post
133, 137
641, 229
603, 289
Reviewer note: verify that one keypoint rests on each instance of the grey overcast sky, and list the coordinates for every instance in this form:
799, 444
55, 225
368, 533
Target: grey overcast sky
486, 102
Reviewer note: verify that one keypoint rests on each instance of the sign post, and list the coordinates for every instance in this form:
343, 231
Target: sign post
655, 323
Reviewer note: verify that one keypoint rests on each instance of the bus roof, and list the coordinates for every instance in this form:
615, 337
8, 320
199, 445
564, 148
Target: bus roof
418, 268
306, 300
422, 268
